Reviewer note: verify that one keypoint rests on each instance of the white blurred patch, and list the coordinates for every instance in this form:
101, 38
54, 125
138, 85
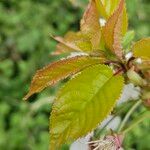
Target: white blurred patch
102, 22
139, 60
130, 92
81, 144
129, 55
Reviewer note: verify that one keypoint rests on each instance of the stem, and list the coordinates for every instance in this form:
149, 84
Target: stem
129, 114
138, 120
118, 71
97, 135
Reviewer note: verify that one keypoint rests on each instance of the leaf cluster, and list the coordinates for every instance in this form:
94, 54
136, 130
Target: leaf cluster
85, 101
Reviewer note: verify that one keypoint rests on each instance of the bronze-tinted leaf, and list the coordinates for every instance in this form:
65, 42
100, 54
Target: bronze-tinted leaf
113, 31
57, 71
90, 24
117, 44
106, 9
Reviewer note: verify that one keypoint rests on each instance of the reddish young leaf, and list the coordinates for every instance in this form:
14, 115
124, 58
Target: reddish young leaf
57, 71
90, 20
66, 42
117, 45
73, 41
113, 30
90, 26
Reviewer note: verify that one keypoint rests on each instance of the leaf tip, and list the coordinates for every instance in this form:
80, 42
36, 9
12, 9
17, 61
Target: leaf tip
26, 97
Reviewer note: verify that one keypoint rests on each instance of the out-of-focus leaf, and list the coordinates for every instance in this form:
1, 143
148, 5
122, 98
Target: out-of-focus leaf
134, 77
142, 48
112, 31
129, 36
83, 103
57, 71
125, 21
101, 8
145, 65
73, 41
108, 6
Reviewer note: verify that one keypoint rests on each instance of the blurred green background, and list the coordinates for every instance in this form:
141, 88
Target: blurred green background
25, 46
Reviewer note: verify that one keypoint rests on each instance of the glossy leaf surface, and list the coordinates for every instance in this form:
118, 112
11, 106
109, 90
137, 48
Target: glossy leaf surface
83, 103
90, 24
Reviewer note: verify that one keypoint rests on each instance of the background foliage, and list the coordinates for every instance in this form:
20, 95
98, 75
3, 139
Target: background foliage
25, 46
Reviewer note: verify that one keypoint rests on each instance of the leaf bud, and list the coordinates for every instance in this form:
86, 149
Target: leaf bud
135, 78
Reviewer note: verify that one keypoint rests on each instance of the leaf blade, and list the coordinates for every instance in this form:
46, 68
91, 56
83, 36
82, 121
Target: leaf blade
57, 71
90, 19
142, 48
90, 25
72, 42
81, 98
101, 8
113, 31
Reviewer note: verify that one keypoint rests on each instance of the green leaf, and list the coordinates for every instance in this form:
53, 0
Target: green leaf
142, 48
83, 103
101, 8
129, 36
57, 71
107, 7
